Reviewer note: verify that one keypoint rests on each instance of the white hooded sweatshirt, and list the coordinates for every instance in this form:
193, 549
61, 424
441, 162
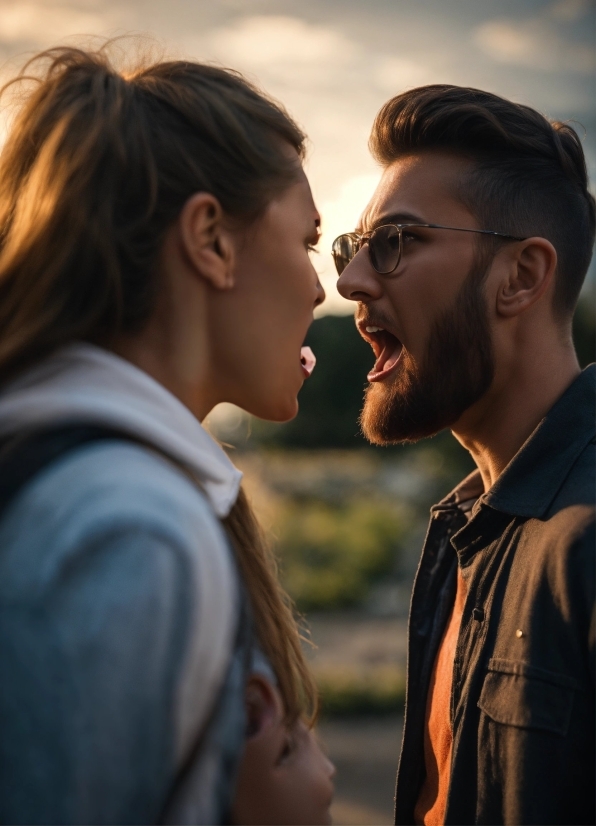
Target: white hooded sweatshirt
118, 595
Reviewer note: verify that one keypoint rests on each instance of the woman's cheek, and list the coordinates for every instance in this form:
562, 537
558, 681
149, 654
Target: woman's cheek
308, 786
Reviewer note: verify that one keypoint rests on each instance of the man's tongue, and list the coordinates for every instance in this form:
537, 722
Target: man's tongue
307, 360
389, 355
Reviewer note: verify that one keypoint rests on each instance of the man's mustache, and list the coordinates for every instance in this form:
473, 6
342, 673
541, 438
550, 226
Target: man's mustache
366, 317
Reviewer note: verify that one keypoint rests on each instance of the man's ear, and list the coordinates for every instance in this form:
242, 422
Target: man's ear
530, 271
206, 243
263, 705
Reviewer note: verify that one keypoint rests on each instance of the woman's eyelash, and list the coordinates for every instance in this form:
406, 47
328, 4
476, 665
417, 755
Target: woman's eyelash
287, 749
312, 248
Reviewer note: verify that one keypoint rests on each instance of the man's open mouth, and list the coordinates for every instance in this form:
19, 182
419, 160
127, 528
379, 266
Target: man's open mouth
386, 347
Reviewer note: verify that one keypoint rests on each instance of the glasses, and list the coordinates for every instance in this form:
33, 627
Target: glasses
385, 245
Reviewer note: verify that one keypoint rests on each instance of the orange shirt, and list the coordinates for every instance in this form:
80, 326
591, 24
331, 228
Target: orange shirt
438, 739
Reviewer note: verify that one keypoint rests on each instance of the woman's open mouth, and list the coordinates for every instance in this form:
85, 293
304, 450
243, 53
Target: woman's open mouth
386, 347
307, 361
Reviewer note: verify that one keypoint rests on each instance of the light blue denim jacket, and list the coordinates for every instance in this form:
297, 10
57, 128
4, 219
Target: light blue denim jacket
118, 612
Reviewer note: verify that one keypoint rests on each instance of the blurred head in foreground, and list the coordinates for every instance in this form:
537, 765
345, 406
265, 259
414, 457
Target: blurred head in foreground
456, 312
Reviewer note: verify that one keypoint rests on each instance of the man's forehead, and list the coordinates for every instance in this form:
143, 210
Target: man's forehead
414, 189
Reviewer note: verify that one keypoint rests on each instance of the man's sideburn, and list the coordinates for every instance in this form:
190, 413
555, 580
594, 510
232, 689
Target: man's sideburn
457, 370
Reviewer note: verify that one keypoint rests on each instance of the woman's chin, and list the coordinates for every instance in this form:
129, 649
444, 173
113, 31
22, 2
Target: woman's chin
279, 410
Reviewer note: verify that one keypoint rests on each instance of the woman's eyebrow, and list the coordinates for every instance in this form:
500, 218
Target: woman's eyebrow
315, 235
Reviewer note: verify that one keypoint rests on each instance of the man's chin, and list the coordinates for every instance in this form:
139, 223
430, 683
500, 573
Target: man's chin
378, 420
391, 415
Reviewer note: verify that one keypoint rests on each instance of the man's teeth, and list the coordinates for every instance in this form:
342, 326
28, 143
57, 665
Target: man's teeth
374, 329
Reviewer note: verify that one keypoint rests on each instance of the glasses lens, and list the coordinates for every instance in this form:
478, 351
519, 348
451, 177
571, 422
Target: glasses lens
383, 247
343, 250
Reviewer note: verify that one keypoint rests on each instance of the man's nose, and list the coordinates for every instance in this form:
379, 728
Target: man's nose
359, 281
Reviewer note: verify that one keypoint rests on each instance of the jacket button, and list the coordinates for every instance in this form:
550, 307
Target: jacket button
478, 614
519, 633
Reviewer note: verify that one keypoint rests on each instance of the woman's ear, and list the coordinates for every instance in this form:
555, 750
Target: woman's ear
529, 273
263, 705
206, 243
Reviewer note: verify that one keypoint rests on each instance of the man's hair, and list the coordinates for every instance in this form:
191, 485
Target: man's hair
528, 174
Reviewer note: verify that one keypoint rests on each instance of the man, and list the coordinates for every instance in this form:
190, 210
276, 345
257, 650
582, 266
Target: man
466, 270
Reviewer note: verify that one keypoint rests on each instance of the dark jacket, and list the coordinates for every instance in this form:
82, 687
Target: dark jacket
522, 701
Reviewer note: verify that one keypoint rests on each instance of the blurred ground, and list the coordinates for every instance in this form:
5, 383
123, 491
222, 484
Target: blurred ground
357, 639
365, 749
359, 662
365, 752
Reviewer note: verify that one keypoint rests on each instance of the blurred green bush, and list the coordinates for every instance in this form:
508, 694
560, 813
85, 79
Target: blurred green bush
330, 555
345, 691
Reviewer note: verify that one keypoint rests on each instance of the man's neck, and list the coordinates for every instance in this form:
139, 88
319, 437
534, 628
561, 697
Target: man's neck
496, 427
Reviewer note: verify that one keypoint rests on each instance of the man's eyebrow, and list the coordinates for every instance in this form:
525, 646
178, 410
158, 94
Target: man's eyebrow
392, 218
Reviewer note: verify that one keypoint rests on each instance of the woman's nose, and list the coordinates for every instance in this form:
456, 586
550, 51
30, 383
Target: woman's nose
320, 297
331, 770
359, 281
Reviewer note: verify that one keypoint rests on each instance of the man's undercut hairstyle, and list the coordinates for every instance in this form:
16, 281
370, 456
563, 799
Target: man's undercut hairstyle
528, 174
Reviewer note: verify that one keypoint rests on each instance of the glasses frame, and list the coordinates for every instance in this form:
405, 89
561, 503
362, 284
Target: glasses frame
366, 237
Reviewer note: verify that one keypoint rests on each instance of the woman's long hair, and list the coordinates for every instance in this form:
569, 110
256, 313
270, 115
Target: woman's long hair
97, 166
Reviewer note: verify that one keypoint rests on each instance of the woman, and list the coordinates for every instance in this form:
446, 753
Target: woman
154, 262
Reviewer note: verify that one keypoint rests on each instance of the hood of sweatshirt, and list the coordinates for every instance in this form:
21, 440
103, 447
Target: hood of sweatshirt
82, 383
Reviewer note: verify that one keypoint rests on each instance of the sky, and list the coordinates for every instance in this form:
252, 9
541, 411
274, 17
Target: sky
333, 63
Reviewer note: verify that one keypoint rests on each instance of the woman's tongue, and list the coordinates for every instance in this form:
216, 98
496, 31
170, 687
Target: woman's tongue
307, 360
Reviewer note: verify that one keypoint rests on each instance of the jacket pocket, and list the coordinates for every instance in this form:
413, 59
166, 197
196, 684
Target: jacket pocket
517, 694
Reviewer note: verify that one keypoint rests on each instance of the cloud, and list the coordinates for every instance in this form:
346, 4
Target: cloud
568, 11
293, 52
394, 74
284, 50
44, 25
533, 43
266, 39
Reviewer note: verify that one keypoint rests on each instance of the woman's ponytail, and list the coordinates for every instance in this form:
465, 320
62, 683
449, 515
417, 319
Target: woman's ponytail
62, 176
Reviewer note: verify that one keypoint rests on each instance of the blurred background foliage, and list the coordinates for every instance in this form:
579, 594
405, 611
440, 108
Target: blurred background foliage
332, 554
346, 691
347, 520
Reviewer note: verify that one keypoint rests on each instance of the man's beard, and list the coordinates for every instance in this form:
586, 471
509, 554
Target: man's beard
457, 370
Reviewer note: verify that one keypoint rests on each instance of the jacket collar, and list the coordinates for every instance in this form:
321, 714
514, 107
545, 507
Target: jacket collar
469, 488
533, 477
